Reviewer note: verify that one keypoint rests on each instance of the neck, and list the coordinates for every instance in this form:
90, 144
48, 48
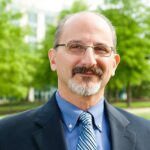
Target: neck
82, 102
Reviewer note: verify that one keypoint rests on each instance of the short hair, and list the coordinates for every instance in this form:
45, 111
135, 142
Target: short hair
61, 24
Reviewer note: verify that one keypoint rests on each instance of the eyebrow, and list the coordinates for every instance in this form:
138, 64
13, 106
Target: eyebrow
79, 41
99, 43
76, 41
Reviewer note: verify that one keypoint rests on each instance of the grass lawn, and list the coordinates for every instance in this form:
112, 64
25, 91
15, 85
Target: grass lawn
138, 104
144, 115
11, 108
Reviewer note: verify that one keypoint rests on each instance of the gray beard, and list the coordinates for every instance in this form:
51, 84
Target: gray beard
83, 90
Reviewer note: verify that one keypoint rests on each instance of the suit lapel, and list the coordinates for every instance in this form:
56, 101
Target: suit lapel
122, 137
50, 132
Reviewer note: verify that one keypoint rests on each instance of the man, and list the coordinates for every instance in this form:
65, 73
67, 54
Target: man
84, 58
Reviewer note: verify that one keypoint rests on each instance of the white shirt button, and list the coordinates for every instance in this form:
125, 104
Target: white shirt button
70, 125
99, 126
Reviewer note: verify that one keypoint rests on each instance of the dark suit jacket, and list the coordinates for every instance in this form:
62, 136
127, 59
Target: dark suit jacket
41, 129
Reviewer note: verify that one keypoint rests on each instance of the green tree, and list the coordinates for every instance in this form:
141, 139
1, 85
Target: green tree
142, 91
77, 6
15, 60
45, 78
133, 45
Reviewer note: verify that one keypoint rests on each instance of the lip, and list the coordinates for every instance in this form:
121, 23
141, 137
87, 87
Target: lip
86, 74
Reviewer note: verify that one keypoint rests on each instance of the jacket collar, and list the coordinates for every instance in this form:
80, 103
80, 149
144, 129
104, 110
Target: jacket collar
122, 137
50, 130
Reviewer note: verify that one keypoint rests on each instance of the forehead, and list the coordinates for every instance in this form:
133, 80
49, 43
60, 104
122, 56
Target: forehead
86, 26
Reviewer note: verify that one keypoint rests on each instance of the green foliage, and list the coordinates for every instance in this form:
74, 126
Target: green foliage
77, 6
15, 60
142, 91
18, 63
133, 43
44, 77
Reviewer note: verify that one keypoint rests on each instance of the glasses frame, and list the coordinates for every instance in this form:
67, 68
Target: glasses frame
86, 47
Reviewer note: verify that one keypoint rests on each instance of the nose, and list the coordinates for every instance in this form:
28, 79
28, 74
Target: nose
89, 58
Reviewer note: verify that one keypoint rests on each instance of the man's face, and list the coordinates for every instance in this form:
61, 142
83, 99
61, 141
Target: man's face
89, 73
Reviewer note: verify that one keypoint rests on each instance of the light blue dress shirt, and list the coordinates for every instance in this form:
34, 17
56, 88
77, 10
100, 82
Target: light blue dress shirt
70, 115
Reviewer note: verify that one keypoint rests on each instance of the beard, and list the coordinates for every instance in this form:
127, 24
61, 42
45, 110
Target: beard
83, 89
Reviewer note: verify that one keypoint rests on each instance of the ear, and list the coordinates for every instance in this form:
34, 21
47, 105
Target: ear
52, 57
116, 62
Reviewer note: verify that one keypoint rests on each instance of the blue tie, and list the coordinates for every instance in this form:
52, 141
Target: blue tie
87, 140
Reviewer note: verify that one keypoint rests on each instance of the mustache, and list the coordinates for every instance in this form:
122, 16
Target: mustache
95, 70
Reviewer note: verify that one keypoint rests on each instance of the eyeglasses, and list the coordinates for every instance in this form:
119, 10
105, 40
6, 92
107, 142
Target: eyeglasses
101, 50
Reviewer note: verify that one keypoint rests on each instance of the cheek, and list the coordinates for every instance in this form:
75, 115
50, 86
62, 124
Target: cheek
107, 68
65, 64
61, 66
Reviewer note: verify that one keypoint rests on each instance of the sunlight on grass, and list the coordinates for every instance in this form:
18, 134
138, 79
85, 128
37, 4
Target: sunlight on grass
144, 115
133, 104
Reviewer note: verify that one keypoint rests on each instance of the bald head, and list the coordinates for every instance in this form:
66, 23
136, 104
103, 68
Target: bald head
73, 21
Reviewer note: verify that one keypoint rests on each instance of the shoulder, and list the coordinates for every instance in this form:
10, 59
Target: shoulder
29, 117
134, 122
133, 118
17, 127
140, 126
21, 127
134, 128
19, 119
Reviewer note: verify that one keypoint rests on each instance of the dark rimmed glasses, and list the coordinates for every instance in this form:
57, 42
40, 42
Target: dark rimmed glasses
75, 48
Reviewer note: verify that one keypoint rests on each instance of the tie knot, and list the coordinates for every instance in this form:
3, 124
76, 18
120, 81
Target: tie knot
86, 118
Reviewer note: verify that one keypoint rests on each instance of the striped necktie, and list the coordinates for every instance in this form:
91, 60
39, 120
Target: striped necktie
87, 140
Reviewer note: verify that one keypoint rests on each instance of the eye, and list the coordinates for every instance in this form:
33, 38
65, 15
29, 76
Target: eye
75, 46
101, 49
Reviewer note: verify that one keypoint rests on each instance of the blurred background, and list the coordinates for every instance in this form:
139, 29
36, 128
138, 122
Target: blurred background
27, 29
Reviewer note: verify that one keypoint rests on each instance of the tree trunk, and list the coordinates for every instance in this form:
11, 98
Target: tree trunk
108, 94
129, 98
116, 95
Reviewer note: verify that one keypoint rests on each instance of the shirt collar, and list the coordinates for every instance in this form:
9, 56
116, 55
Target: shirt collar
71, 113
97, 112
